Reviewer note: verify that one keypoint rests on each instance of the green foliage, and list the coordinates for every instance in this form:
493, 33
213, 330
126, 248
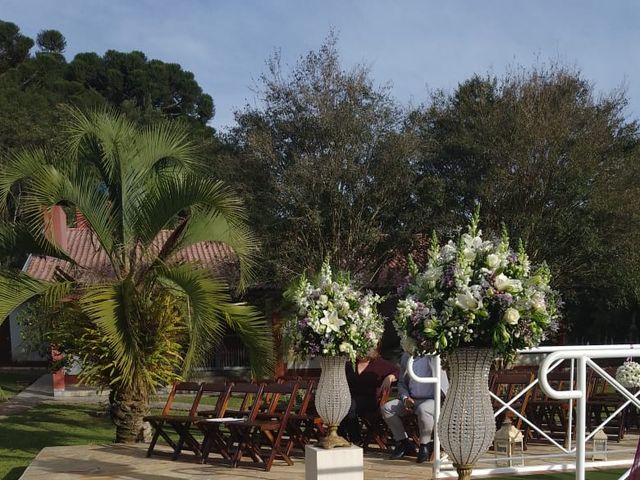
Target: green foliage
32, 87
541, 153
14, 47
322, 166
145, 318
51, 41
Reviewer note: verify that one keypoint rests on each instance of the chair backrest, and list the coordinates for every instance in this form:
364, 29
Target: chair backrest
307, 388
183, 393
246, 399
215, 398
508, 383
282, 398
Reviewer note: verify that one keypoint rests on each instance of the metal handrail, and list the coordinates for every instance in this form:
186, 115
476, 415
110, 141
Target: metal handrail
584, 358
581, 356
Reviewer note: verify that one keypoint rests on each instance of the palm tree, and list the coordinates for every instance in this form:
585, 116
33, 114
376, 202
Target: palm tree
145, 318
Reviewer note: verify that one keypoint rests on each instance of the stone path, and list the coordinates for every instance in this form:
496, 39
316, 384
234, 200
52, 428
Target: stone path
41, 391
38, 392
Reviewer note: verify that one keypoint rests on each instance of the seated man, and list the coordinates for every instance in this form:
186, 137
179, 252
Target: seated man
413, 397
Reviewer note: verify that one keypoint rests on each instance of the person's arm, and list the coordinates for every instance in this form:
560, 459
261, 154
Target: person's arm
387, 381
403, 387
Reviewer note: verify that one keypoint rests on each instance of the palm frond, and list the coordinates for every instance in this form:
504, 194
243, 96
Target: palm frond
109, 307
214, 227
16, 240
16, 288
99, 136
215, 215
19, 167
211, 308
165, 144
52, 186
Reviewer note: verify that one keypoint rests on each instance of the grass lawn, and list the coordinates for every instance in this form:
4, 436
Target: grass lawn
12, 383
22, 436
590, 475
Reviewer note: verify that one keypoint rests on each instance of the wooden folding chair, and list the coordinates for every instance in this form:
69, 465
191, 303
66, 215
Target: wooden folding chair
506, 385
603, 402
262, 438
375, 429
174, 419
548, 414
214, 395
244, 401
304, 425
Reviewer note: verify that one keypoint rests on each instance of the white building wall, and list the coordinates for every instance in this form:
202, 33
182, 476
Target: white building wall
18, 351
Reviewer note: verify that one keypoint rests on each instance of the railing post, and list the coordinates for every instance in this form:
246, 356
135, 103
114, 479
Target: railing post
436, 418
581, 413
572, 379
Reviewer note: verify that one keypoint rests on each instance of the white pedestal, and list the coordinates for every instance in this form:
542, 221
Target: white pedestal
342, 463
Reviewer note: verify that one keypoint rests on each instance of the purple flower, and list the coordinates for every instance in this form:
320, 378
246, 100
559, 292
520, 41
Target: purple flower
448, 278
404, 284
505, 299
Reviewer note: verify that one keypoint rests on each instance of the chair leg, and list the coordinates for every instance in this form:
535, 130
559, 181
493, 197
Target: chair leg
154, 439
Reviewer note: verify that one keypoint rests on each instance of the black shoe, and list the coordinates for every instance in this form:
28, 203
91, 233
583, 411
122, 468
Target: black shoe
401, 449
424, 452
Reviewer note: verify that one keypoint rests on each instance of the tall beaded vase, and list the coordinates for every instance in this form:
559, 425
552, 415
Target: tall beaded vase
333, 399
467, 426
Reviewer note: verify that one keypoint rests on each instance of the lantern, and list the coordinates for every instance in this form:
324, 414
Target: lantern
600, 447
508, 446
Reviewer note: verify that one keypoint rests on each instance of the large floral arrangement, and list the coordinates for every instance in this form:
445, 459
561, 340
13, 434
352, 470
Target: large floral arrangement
628, 374
476, 292
331, 317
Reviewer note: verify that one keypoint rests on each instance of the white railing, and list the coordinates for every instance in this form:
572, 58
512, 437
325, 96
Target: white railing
580, 358
584, 357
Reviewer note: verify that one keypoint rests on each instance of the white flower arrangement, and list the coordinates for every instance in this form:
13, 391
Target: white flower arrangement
330, 317
476, 292
628, 374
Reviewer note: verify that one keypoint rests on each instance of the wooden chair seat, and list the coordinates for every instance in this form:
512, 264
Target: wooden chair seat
262, 440
169, 422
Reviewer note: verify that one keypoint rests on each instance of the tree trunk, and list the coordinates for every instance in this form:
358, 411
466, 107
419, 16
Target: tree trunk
128, 408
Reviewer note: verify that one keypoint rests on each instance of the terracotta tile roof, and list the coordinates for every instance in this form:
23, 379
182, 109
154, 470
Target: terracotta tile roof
83, 247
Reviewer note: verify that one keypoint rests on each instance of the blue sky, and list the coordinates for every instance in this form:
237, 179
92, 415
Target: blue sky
417, 45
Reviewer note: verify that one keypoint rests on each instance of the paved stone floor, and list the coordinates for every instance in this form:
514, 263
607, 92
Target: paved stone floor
128, 462
97, 462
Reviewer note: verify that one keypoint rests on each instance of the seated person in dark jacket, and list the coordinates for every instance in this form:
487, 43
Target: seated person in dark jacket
366, 380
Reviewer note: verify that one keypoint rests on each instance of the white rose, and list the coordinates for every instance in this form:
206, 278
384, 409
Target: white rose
493, 261
506, 284
466, 301
432, 274
511, 316
323, 299
448, 251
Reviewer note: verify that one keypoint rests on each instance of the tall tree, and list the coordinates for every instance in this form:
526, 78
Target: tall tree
51, 41
14, 47
538, 150
322, 165
149, 85
147, 317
